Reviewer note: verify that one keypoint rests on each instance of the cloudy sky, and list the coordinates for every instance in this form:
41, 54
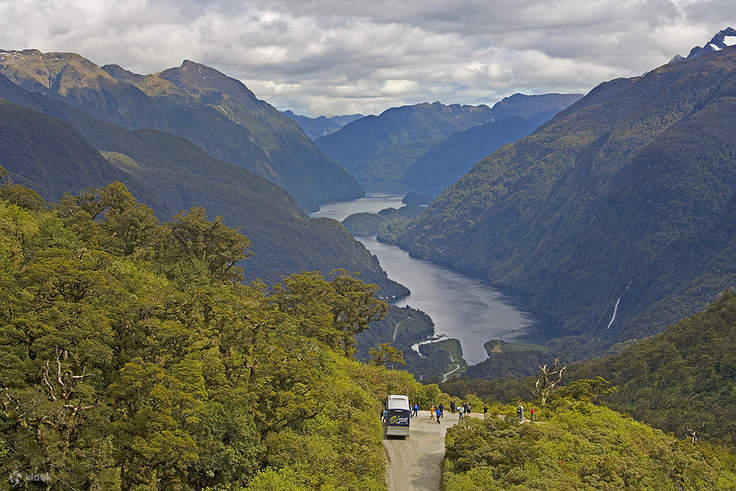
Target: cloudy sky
340, 56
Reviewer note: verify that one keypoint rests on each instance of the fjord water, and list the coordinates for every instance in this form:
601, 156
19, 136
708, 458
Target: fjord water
461, 307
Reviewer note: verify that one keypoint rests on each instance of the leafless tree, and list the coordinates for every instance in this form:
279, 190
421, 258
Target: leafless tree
692, 434
547, 380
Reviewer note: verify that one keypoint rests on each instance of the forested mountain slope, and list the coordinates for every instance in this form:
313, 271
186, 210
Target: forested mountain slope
430, 146
132, 358
451, 159
683, 377
576, 445
48, 155
382, 147
196, 102
536, 108
617, 217
170, 174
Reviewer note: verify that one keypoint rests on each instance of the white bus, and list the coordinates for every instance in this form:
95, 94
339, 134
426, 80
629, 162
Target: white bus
399, 414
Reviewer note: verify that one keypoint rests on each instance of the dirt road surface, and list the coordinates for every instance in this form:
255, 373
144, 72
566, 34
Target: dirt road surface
416, 463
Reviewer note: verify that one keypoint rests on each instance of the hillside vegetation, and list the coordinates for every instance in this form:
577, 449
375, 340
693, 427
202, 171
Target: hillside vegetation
577, 445
448, 161
682, 378
216, 112
429, 146
132, 358
169, 173
625, 204
382, 147
387, 224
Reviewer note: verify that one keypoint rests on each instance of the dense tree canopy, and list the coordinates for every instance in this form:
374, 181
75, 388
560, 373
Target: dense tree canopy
577, 445
133, 358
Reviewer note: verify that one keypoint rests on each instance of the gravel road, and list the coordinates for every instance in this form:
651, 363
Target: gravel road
416, 463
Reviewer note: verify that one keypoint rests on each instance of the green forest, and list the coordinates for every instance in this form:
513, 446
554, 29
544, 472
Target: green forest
133, 358
623, 202
682, 378
575, 445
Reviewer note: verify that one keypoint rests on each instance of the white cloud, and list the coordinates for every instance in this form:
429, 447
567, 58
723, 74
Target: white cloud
335, 57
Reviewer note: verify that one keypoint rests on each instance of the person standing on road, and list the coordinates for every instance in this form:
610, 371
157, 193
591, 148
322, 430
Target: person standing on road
452, 406
460, 412
416, 409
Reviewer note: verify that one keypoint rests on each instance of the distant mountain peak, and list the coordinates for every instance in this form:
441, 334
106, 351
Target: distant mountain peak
321, 125
120, 73
537, 108
56, 71
193, 77
724, 39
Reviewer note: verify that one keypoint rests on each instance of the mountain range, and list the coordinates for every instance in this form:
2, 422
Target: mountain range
617, 217
321, 125
381, 147
54, 148
216, 112
722, 40
429, 146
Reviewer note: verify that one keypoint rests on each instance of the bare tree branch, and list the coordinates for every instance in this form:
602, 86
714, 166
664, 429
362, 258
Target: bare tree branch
45, 378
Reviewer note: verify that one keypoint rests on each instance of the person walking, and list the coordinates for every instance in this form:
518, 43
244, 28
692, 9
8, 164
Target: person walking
442, 409
467, 408
532, 414
520, 412
431, 412
416, 409
460, 412
452, 406
485, 411
438, 413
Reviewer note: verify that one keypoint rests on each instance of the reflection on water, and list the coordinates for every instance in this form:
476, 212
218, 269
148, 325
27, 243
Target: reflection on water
461, 307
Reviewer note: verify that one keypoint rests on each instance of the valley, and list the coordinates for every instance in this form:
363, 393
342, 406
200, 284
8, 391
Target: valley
233, 274
462, 307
